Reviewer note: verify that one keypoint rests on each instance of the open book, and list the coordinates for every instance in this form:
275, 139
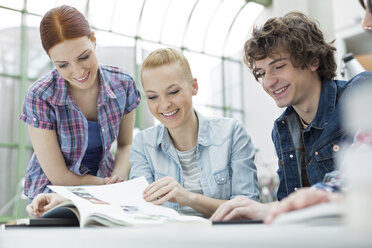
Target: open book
316, 215
119, 204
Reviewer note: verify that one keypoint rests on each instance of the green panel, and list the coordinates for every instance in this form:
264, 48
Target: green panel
8, 181
21, 161
9, 105
265, 3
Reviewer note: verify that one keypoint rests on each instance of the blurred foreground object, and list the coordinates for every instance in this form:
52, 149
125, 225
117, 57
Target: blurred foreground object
357, 160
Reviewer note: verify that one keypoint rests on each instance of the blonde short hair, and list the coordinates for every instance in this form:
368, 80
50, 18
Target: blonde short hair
167, 56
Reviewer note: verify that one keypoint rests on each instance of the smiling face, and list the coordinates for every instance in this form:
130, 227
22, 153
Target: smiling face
169, 95
76, 62
287, 85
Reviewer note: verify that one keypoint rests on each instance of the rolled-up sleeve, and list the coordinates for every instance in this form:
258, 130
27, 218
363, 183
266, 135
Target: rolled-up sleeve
133, 96
37, 112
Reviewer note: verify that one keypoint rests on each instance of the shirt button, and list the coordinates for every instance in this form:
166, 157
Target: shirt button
290, 155
34, 119
316, 153
336, 148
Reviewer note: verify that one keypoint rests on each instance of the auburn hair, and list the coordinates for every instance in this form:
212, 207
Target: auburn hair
62, 23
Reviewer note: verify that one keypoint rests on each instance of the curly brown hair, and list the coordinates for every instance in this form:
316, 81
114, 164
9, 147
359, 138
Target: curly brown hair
296, 34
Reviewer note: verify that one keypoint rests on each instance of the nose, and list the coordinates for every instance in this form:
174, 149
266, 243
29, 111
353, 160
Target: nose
78, 71
367, 20
165, 104
269, 81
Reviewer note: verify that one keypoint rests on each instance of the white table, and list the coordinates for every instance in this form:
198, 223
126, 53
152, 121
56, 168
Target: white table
226, 236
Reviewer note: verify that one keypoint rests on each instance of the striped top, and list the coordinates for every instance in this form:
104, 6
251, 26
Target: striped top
191, 177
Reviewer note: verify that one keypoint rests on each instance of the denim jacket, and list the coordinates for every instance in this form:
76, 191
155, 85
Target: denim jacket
225, 158
321, 138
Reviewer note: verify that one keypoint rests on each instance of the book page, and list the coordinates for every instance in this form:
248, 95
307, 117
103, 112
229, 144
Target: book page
120, 204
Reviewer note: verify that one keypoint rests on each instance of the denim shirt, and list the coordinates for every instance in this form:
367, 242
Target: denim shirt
321, 138
225, 158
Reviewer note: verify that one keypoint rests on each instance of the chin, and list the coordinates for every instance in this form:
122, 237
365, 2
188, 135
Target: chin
170, 126
282, 105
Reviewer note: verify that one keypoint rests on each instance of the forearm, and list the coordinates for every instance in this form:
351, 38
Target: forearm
204, 204
52, 162
121, 164
67, 177
56, 170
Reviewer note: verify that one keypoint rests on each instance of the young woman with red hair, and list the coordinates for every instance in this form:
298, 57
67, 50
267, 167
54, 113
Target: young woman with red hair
77, 110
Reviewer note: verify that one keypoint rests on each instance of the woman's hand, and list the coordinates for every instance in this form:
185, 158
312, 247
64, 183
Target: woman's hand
113, 179
42, 203
168, 189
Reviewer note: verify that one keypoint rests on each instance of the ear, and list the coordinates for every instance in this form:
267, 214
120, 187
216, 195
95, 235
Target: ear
314, 65
93, 38
195, 87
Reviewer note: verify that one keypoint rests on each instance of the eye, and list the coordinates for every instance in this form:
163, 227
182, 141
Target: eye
84, 58
61, 66
280, 67
174, 92
152, 97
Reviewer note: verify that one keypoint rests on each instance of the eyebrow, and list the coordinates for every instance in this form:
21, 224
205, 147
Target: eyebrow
273, 62
277, 60
77, 57
151, 91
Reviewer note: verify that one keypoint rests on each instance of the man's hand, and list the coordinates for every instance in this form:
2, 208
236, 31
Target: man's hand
241, 207
302, 198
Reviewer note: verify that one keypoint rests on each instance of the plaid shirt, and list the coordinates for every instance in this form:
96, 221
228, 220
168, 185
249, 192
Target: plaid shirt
49, 105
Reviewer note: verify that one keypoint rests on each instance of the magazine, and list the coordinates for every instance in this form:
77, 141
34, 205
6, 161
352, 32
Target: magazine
119, 204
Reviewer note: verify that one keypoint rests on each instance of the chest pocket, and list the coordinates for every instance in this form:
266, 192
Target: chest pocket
222, 178
324, 157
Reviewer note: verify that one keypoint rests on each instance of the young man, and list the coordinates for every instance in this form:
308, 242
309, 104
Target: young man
295, 65
324, 191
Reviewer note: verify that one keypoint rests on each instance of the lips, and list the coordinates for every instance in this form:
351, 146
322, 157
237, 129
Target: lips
83, 79
170, 114
281, 90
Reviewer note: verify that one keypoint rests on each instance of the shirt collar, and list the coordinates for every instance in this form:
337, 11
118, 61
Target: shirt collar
204, 139
326, 105
105, 89
61, 95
